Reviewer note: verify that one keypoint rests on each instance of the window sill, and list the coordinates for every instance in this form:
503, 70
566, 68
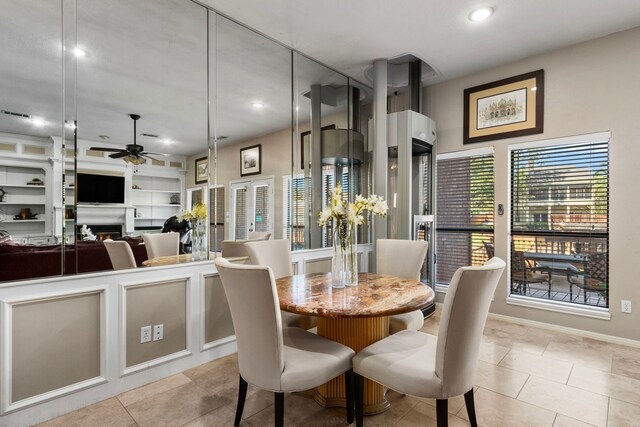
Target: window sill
560, 307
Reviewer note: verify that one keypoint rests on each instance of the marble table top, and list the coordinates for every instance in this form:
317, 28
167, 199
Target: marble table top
376, 295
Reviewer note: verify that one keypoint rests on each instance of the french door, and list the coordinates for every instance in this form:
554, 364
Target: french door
252, 208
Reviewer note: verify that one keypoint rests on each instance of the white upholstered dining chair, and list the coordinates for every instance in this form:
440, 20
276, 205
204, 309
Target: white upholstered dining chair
161, 244
258, 235
120, 254
402, 258
441, 367
277, 255
271, 357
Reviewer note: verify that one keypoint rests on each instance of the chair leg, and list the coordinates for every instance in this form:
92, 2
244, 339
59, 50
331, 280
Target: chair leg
358, 387
471, 408
348, 383
442, 412
279, 421
242, 395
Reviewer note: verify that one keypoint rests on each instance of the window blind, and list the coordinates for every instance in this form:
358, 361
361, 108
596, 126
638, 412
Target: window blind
241, 212
559, 219
216, 216
464, 213
261, 208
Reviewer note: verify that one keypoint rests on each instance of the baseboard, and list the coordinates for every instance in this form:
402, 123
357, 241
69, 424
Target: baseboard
566, 330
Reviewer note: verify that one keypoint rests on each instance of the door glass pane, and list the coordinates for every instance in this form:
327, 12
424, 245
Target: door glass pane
262, 212
240, 214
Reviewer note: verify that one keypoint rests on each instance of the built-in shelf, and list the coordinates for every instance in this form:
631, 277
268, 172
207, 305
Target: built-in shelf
156, 191
21, 186
22, 220
21, 204
158, 204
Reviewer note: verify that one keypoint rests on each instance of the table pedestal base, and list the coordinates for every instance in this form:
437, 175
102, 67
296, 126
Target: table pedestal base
356, 333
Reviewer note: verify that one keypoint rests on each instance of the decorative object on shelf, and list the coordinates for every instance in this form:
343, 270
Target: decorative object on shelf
2, 194
36, 181
135, 187
198, 217
25, 214
68, 213
345, 217
251, 160
174, 199
202, 170
86, 233
504, 108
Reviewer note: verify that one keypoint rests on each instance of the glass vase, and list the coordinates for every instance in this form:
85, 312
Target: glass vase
198, 240
344, 263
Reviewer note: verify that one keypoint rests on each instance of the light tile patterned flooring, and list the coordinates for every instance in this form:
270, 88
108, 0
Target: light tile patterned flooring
526, 377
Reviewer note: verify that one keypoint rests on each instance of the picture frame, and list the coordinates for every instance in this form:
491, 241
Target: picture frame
505, 108
202, 170
251, 160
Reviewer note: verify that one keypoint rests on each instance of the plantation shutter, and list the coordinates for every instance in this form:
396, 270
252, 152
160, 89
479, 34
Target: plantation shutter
464, 213
241, 212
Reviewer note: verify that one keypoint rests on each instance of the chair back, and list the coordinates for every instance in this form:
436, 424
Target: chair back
258, 235
255, 310
234, 248
462, 321
402, 258
274, 253
120, 254
162, 244
598, 267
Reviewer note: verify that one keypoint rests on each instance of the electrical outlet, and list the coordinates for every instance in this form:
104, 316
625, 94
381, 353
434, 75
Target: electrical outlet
145, 334
158, 332
625, 306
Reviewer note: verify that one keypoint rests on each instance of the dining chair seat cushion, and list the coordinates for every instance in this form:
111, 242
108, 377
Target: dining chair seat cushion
412, 321
310, 360
405, 362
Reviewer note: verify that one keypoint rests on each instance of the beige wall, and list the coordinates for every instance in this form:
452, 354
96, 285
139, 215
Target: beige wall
55, 343
154, 304
589, 87
217, 316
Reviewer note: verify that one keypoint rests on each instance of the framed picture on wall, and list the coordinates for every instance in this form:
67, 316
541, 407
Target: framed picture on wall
202, 170
251, 160
504, 108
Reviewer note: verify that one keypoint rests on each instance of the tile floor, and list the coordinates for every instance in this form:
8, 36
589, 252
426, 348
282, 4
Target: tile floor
526, 377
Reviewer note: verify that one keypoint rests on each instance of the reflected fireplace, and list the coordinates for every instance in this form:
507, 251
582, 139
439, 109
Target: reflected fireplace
102, 231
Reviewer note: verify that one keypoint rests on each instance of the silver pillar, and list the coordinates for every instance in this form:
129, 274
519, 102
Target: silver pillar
380, 150
315, 240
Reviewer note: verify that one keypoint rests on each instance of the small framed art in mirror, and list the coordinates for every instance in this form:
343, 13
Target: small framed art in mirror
251, 160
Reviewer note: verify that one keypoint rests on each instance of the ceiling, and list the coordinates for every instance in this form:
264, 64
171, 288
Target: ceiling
349, 35
150, 57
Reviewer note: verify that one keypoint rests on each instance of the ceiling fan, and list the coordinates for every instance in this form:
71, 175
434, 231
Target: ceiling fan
132, 153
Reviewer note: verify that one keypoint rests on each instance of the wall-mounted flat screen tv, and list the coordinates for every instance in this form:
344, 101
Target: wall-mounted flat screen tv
94, 188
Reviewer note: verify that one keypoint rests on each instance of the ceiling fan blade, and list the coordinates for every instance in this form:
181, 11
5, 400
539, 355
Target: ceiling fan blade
119, 154
114, 150
157, 154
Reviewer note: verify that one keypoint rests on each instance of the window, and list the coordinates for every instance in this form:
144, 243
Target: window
561, 246
464, 213
294, 211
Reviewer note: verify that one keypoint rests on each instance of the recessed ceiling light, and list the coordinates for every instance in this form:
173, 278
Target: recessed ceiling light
38, 121
79, 52
480, 14
257, 105
166, 141
103, 137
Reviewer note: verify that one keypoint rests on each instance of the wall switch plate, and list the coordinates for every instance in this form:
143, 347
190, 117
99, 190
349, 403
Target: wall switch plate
145, 334
625, 306
158, 332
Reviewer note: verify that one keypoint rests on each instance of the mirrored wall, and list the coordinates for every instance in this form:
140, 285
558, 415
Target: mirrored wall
126, 115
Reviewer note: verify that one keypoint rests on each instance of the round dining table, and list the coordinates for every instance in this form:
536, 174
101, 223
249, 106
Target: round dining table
355, 316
